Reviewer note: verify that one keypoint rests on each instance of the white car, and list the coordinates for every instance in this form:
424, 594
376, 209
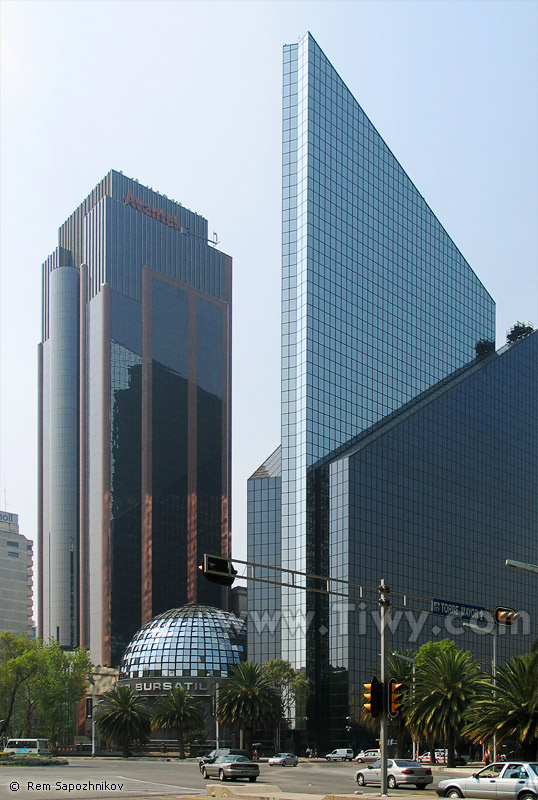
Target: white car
367, 755
340, 754
515, 779
283, 760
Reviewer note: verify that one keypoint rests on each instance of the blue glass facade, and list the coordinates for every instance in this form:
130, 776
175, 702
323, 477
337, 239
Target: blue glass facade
378, 303
263, 547
404, 456
192, 641
147, 359
434, 500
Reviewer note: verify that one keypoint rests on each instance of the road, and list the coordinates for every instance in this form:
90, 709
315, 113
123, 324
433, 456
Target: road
118, 779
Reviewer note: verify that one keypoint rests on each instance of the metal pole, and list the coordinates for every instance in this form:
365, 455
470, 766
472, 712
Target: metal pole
217, 731
93, 718
415, 744
493, 677
384, 603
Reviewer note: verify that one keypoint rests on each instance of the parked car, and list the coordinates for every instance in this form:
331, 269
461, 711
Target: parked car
512, 779
368, 755
283, 760
399, 771
222, 751
231, 767
340, 754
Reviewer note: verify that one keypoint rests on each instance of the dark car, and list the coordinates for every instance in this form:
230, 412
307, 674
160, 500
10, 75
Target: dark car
231, 767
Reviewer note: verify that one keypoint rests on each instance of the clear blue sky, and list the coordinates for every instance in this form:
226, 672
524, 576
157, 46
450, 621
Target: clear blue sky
186, 97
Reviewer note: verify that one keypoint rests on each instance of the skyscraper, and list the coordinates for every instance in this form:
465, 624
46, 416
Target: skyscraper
378, 307
378, 303
134, 416
16, 577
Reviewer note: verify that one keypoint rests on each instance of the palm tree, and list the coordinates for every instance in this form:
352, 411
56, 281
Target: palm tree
401, 669
447, 682
122, 717
249, 700
178, 711
513, 712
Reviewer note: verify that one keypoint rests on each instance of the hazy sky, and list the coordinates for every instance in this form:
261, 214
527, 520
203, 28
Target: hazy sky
186, 97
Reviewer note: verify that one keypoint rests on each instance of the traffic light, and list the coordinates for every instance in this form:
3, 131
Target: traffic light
373, 696
218, 570
394, 697
505, 616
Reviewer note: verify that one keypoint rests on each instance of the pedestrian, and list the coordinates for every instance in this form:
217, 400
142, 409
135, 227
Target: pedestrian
254, 755
308, 752
486, 758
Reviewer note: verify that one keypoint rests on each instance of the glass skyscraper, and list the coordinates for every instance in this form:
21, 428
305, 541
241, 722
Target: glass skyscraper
378, 303
380, 311
134, 416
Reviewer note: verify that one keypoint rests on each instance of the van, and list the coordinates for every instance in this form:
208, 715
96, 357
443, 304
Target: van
340, 754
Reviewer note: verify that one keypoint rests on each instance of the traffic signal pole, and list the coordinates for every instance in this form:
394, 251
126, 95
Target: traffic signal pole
384, 605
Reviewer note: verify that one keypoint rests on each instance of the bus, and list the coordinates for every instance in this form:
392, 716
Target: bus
34, 746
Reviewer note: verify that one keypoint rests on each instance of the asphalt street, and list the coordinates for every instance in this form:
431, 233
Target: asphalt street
118, 779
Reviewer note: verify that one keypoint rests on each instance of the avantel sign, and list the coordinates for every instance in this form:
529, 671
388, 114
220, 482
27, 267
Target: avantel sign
446, 608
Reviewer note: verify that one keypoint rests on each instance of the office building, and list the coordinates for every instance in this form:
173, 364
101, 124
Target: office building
378, 307
134, 416
16, 577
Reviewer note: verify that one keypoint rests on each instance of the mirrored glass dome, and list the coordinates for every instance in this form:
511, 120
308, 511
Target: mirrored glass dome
191, 641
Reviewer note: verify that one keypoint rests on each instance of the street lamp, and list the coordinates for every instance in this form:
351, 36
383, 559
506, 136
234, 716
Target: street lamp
521, 565
414, 663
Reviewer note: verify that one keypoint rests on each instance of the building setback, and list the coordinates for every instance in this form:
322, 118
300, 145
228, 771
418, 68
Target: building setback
378, 307
16, 577
134, 416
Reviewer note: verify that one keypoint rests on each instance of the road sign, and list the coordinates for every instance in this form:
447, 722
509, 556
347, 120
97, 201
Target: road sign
447, 608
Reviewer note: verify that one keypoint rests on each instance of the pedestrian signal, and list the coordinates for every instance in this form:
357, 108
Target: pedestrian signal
373, 697
218, 570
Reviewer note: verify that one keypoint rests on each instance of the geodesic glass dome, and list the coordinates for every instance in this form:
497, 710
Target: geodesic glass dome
191, 641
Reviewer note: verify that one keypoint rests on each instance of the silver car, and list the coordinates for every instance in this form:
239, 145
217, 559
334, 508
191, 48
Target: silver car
230, 768
368, 755
512, 779
399, 771
283, 760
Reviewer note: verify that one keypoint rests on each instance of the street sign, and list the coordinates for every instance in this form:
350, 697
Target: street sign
446, 608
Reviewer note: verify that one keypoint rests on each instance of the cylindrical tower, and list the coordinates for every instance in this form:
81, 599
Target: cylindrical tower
60, 619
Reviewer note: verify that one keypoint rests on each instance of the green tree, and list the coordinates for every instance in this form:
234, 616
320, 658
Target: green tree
178, 711
249, 701
122, 718
58, 687
447, 682
513, 711
19, 662
293, 686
